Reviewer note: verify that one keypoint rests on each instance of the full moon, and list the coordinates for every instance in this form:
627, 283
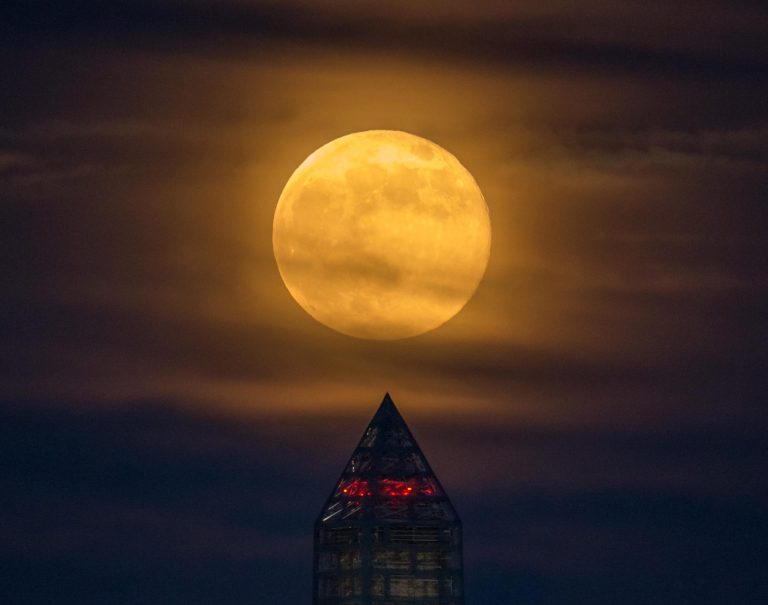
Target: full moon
381, 235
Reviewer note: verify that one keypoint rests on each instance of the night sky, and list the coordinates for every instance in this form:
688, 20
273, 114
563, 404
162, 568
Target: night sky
172, 421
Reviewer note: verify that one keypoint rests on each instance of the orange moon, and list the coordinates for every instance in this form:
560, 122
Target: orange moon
381, 235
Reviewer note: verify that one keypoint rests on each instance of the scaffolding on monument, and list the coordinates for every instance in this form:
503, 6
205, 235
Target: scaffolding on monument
388, 534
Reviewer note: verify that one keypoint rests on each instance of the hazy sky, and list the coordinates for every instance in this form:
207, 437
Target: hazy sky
597, 410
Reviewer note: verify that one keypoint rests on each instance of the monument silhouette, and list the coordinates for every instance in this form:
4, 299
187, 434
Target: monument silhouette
388, 534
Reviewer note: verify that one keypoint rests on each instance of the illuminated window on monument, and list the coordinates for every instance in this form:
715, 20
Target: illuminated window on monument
349, 560
415, 534
431, 559
391, 559
413, 587
340, 586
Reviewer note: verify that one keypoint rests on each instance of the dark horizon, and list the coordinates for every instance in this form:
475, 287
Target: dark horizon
147, 502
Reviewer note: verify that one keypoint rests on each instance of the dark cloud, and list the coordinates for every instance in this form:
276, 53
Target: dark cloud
648, 39
149, 505
596, 411
144, 502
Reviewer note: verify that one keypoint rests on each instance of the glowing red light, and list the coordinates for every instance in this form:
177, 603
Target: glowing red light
393, 488
389, 488
403, 488
357, 488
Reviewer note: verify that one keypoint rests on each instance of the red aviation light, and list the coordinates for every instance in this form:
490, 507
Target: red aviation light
388, 488
356, 488
394, 488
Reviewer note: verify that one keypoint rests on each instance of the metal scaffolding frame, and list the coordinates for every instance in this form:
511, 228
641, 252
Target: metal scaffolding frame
388, 534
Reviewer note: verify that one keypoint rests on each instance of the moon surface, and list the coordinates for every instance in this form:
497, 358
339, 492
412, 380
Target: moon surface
382, 235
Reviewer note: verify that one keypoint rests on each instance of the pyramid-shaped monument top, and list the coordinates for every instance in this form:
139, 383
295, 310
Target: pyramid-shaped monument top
388, 478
